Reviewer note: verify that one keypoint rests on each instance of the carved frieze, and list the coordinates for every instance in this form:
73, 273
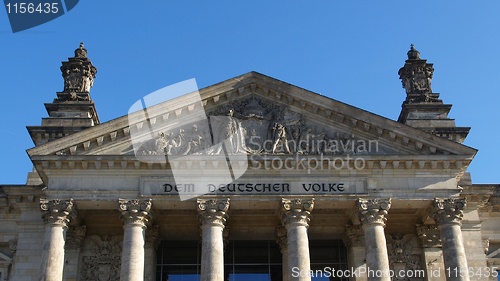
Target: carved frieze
136, 211
213, 211
449, 210
253, 126
373, 211
296, 211
56, 211
102, 258
429, 235
404, 254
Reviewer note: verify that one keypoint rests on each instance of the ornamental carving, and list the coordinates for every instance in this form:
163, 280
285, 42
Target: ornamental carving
449, 210
253, 126
404, 254
136, 211
101, 258
416, 77
57, 211
373, 211
354, 236
429, 235
296, 211
78, 74
281, 238
213, 211
75, 236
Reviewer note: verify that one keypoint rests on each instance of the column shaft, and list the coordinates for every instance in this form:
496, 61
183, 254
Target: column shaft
132, 266
298, 252
377, 261
53, 256
212, 259
454, 253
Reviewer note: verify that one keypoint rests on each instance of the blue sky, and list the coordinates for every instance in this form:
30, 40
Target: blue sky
347, 50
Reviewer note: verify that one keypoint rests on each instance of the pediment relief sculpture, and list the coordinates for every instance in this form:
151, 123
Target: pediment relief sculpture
256, 127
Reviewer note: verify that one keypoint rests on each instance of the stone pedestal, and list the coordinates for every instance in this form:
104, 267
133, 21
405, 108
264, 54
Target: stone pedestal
372, 214
282, 241
56, 215
354, 241
295, 217
448, 214
213, 216
135, 214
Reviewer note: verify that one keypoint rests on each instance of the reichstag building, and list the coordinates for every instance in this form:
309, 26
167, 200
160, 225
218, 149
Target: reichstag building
253, 179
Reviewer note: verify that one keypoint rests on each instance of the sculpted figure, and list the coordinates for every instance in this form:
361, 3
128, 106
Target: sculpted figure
280, 137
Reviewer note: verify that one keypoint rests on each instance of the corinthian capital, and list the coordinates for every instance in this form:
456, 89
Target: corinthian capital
135, 211
449, 210
373, 211
57, 211
296, 211
213, 211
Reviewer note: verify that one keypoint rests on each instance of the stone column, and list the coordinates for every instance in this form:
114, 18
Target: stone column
448, 215
213, 215
283, 244
355, 243
295, 217
431, 246
135, 215
372, 214
56, 215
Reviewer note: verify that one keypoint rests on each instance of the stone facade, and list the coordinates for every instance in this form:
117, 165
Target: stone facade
268, 162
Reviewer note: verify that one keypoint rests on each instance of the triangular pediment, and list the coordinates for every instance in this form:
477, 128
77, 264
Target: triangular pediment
260, 115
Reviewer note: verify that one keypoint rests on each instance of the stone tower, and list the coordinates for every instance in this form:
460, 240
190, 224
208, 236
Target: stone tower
73, 110
422, 108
